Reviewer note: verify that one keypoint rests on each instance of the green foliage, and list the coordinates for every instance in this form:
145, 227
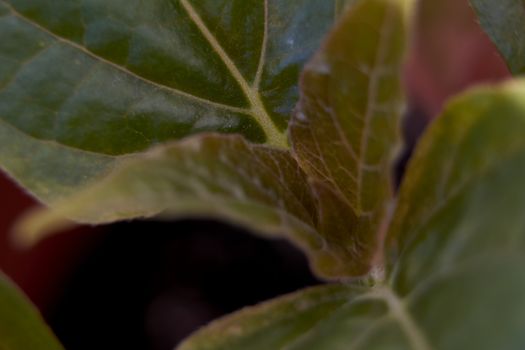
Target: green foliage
21, 327
454, 254
345, 133
266, 188
430, 266
84, 85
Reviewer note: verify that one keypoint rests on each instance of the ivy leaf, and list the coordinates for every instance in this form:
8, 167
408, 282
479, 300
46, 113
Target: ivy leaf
504, 22
345, 133
455, 251
87, 83
21, 326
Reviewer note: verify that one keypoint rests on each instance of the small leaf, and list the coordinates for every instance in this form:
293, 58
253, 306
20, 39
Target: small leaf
345, 132
21, 326
504, 22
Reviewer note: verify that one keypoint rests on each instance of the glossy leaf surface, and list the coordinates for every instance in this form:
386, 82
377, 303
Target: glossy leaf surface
83, 84
504, 22
345, 133
456, 248
21, 326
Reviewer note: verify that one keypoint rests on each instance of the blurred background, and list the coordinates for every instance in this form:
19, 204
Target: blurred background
146, 285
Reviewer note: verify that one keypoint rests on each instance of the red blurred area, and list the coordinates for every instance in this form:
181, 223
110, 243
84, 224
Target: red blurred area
450, 54
38, 271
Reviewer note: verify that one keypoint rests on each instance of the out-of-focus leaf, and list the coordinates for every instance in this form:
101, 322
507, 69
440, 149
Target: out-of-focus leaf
455, 252
457, 244
345, 131
21, 326
273, 325
504, 22
461, 201
83, 84
449, 54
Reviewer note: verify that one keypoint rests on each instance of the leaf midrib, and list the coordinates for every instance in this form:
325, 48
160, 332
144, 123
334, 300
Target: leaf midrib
373, 91
257, 109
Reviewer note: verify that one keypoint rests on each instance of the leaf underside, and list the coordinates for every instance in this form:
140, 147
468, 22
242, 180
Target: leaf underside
209, 175
455, 252
345, 133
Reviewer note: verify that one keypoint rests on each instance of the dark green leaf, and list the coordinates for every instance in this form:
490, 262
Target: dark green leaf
504, 22
21, 326
345, 132
83, 84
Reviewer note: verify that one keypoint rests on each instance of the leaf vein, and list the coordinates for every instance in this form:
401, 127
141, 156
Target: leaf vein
375, 75
122, 69
257, 110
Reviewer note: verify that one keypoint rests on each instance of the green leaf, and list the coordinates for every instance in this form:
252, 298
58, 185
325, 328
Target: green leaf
329, 317
83, 84
461, 201
273, 325
345, 133
21, 326
455, 252
458, 238
208, 175
504, 22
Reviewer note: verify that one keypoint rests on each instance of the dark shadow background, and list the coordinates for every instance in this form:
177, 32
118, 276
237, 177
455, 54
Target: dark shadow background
146, 285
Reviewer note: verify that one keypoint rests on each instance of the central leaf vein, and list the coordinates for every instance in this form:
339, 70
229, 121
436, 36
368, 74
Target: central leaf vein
373, 91
258, 111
